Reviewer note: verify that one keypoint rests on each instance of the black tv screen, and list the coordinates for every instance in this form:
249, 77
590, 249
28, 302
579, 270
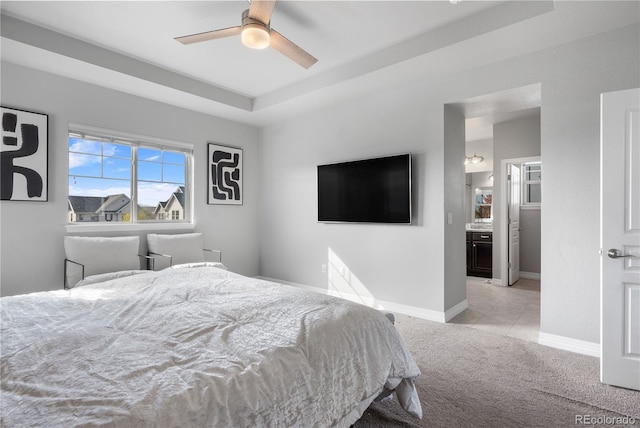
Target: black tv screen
366, 191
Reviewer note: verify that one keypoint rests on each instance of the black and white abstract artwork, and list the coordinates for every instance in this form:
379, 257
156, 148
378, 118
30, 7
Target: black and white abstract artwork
224, 166
24, 156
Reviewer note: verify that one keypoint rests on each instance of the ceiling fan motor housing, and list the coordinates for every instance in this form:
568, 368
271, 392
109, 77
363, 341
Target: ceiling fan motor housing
255, 34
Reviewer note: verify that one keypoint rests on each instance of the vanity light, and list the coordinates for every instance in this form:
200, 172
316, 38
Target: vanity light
473, 159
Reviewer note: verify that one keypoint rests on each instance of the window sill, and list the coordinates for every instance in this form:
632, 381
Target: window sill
131, 227
530, 207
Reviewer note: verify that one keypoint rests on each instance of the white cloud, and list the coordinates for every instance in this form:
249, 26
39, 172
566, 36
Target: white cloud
89, 152
85, 147
75, 190
152, 158
152, 193
76, 160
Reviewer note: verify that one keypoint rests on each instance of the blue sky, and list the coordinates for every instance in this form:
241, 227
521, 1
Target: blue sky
102, 168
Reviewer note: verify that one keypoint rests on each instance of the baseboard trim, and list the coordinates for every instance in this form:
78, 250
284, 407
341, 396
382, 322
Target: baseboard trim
523, 275
457, 309
569, 344
399, 308
530, 275
546, 339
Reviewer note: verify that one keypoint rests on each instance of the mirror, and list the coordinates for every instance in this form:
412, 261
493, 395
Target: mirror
482, 203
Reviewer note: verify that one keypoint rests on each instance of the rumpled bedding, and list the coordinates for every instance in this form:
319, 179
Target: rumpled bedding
196, 347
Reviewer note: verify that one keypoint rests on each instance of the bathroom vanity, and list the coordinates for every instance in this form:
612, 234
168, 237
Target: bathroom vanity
479, 253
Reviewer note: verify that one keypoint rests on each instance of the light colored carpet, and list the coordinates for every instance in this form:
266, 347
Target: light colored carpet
472, 378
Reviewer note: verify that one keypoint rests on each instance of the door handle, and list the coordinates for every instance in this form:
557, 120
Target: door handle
614, 253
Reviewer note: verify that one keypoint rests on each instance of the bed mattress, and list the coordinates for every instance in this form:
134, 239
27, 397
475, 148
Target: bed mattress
196, 346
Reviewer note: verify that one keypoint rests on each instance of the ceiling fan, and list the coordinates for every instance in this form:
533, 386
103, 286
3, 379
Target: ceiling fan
257, 33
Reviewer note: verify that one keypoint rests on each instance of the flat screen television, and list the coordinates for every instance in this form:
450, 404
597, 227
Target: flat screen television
366, 191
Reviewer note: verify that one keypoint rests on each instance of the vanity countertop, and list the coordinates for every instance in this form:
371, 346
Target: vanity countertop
472, 227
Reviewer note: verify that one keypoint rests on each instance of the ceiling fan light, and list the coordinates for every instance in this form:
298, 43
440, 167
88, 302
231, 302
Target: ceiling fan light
255, 36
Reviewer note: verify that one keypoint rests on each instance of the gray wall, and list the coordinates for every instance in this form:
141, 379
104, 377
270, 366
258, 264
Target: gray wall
32, 233
513, 139
455, 250
397, 263
402, 264
530, 241
405, 264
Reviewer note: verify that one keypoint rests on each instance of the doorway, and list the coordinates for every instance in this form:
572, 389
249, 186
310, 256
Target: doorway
522, 210
508, 300
512, 310
509, 311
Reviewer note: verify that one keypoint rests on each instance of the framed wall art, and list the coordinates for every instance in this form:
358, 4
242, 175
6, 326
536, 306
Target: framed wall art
24, 156
224, 172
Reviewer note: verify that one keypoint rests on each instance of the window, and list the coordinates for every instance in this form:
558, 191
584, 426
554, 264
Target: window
120, 178
482, 203
532, 184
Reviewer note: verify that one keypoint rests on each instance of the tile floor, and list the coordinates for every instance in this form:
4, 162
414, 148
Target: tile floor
511, 311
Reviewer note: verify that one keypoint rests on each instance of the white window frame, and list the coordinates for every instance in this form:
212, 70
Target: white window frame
524, 201
139, 141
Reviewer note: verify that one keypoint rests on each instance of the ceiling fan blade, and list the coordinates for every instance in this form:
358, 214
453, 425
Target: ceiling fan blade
209, 35
291, 50
261, 10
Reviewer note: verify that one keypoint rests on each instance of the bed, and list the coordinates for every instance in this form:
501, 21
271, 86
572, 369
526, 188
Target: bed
196, 345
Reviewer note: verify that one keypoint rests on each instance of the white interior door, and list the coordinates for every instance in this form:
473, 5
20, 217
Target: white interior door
514, 223
620, 239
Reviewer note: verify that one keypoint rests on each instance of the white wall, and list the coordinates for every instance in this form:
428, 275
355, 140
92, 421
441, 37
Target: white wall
32, 233
405, 264
397, 263
570, 123
401, 264
482, 148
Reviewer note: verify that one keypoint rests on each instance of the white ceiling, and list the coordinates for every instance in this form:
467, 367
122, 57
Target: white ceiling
334, 32
361, 46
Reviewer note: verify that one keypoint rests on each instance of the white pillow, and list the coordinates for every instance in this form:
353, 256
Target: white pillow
199, 265
101, 255
183, 248
94, 279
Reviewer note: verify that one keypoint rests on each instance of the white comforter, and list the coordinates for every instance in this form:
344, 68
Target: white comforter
196, 347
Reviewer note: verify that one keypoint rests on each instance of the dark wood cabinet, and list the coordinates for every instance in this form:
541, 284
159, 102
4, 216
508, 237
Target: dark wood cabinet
480, 254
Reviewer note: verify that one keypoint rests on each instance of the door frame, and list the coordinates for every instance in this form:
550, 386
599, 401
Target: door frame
503, 265
512, 186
